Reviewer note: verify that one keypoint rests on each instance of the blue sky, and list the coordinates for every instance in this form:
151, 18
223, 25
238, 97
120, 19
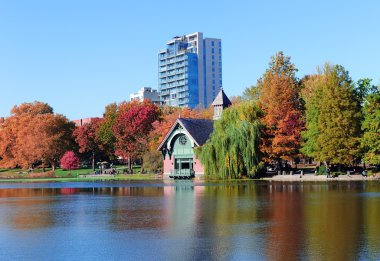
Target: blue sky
80, 55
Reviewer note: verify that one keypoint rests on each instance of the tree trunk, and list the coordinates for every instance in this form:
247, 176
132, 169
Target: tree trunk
130, 164
53, 166
93, 160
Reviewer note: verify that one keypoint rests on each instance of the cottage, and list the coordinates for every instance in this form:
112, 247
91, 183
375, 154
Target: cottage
186, 134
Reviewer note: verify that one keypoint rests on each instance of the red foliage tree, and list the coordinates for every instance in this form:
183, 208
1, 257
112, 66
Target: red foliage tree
69, 161
132, 126
86, 137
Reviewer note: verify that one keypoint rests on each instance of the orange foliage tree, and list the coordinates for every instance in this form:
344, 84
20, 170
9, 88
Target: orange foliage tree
34, 135
279, 98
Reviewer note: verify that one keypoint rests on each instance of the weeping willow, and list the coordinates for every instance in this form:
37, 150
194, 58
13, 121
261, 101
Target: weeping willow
232, 151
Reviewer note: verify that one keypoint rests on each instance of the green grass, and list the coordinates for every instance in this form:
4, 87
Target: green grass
20, 174
75, 179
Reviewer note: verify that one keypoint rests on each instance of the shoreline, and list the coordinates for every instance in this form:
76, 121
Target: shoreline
312, 177
155, 177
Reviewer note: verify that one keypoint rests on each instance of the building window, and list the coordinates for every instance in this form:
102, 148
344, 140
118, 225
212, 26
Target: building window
213, 57
213, 50
213, 82
212, 43
220, 51
213, 69
220, 70
183, 140
213, 63
174, 95
220, 44
213, 75
220, 82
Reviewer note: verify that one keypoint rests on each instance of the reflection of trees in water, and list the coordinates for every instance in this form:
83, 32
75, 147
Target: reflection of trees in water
371, 220
285, 235
30, 208
136, 208
334, 219
227, 212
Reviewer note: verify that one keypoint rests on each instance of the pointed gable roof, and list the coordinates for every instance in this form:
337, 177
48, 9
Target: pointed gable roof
221, 99
198, 129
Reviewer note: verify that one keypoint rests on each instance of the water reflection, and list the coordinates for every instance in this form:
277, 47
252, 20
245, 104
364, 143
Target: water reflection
187, 220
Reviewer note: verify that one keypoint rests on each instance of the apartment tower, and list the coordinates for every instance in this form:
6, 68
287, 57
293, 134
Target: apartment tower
190, 71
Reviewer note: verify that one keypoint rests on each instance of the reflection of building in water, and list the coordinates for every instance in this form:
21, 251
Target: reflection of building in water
186, 134
183, 203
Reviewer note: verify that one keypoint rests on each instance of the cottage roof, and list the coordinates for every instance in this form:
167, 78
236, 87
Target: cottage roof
221, 99
198, 129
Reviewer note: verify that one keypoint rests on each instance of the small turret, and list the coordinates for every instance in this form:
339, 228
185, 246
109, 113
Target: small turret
220, 103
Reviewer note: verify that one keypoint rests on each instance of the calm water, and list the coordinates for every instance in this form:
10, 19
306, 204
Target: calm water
190, 221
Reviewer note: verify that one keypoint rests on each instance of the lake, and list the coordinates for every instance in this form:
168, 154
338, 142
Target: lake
190, 220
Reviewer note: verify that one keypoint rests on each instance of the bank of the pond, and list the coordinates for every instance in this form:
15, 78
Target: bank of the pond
88, 178
310, 177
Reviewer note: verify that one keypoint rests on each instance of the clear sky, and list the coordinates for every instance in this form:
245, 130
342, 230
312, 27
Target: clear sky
79, 55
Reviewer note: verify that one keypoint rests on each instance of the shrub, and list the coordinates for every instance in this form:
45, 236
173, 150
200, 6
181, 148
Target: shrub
322, 170
70, 161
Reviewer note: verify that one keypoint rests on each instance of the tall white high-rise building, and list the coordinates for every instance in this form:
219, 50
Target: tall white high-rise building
190, 71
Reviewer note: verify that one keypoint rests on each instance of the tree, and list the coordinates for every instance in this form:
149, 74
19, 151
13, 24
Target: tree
86, 138
363, 88
105, 132
333, 117
69, 161
233, 148
34, 135
132, 126
370, 141
312, 95
53, 137
279, 98
32, 108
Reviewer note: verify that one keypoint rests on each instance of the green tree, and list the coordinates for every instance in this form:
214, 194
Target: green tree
105, 132
371, 129
233, 148
312, 95
332, 117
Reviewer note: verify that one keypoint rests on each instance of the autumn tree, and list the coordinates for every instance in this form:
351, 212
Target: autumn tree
233, 151
278, 93
69, 161
332, 117
33, 134
87, 140
131, 128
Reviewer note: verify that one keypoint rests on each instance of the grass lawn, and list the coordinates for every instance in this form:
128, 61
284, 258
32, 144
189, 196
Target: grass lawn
75, 179
19, 175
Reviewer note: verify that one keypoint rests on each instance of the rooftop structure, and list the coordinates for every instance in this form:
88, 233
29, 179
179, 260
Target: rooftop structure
146, 93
